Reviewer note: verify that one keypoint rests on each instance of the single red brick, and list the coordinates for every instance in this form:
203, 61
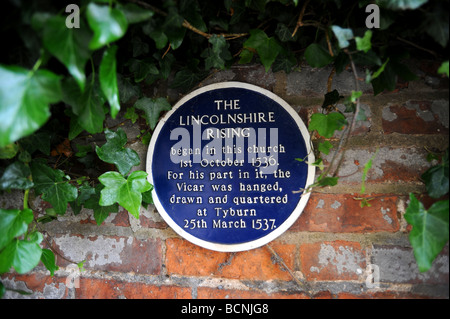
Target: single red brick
91, 288
341, 213
338, 260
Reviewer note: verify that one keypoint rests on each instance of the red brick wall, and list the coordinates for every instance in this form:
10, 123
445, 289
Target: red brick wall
332, 248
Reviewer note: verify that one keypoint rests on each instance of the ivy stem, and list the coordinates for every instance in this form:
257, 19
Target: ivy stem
35, 67
25, 199
344, 141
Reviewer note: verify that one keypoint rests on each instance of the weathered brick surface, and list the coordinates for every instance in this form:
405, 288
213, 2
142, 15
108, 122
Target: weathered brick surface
329, 249
342, 213
112, 253
184, 258
212, 293
397, 265
417, 117
330, 261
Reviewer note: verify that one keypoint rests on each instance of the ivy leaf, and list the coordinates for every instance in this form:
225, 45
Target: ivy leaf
317, 56
444, 68
100, 212
436, 178
88, 106
343, 35
141, 69
173, 29
13, 223
16, 177
430, 230
364, 43
267, 48
9, 151
126, 192
436, 25
114, 152
218, 54
326, 124
325, 147
152, 108
331, 98
24, 101
108, 79
109, 24
53, 185
48, 259
326, 181
134, 13
366, 169
21, 254
68, 45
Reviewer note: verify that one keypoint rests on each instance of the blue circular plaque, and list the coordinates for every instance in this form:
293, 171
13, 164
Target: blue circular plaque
222, 164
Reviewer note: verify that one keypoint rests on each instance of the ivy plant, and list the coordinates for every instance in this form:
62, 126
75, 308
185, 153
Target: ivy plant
66, 72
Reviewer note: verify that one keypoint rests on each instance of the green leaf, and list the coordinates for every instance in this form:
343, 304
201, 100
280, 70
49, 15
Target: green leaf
152, 108
126, 90
131, 114
430, 230
186, 79
126, 192
85, 192
23, 255
267, 48
48, 259
141, 69
343, 35
366, 169
13, 223
114, 152
68, 45
378, 72
436, 178
134, 13
24, 101
109, 24
53, 185
246, 56
364, 43
16, 177
331, 98
444, 68
325, 147
218, 54
100, 212
108, 79
173, 29
326, 181
326, 124
9, 151
317, 56
88, 106
147, 197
